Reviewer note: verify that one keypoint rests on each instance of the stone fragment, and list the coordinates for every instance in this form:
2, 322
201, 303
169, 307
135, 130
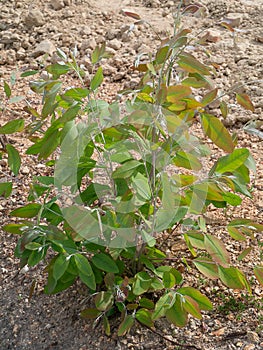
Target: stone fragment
57, 4
114, 44
25, 170
252, 337
45, 46
34, 18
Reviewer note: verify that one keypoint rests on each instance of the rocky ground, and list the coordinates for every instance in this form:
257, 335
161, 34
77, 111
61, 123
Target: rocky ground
29, 31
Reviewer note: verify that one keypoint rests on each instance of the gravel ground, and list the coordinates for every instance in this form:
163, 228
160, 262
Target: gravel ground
28, 30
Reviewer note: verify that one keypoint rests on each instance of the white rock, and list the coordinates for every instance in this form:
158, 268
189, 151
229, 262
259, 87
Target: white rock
45, 46
114, 44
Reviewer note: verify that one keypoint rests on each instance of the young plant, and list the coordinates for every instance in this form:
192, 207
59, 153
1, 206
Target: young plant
123, 174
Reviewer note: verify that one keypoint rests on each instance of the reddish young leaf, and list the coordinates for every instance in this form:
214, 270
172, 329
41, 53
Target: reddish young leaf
244, 101
131, 14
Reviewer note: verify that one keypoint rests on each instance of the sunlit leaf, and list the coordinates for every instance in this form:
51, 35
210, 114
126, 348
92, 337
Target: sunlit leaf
187, 160
163, 304
144, 317
12, 126
207, 267
258, 271
192, 307
28, 211
190, 64
244, 101
203, 302
235, 233
216, 131
216, 248
209, 97
233, 278
232, 161
244, 253
224, 109
97, 79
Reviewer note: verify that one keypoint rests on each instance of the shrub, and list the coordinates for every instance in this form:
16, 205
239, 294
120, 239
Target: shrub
123, 173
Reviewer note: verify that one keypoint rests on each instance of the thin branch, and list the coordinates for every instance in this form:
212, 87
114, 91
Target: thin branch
183, 346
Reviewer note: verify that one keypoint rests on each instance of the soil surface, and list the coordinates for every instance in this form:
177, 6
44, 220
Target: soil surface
29, 30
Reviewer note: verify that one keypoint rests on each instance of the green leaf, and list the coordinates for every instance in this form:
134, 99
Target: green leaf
142, 283
106, 325
126, 169
14, 228
14, 160
232, 198
258, 271
104, 300
146, 303
144, 316
70, 114
207, 267
162, 54
5, 189
140, 184
60, 266
216, 131
97, 79
224, 109
176, 314
190, 64
233, 278
203, 302
16, 99
28, 73
187, 160
62, 54
244, 253
235, 233
126, 325
177, 93
105, 263
12, 126
192, 307
57, 69
196, 239
49, 144
33, 246
216, 248
90, 313
168, 279
28, 211
77, 94
162, 305
35, 257
209, 97
244, 101
85, 271
232, 161
7, 89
